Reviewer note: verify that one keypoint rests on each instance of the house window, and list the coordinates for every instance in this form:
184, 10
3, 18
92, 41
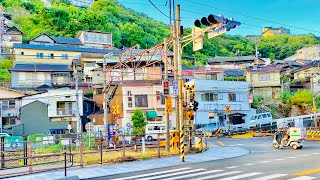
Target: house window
50, 56
98, 74
5, 105
40, 55
232, 97
211, 76
209, 97
306, 74
265, 77
21, 53
64, 108
141, 100
9, 121
64, 56
12, 103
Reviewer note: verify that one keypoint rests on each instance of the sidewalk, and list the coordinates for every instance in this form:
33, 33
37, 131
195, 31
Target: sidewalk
214, 153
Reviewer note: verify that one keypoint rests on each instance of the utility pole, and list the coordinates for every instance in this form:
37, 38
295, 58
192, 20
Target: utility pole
165, 47
105, 98
314, 109
79, 123
2, 32
179, 66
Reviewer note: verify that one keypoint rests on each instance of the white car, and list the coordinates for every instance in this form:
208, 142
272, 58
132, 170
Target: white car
4, 135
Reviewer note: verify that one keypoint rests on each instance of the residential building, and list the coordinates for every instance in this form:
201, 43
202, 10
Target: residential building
33, 76
305, 76
12, 35
306, 53
270, 31
144, 95
82, 3
59, 105
45, 39
95, 39
51, 54
213, 97
264, 80
207, 73
239, 62
9, 108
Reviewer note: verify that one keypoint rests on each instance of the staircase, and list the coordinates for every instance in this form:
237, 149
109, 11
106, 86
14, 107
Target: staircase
275, 112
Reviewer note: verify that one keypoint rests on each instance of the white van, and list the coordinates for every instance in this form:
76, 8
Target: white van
153, 129
259, 120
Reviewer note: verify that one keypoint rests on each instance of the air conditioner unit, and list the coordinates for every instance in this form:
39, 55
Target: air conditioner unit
10, 114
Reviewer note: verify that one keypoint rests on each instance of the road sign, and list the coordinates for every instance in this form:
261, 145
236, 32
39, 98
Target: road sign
175, 87
216, 32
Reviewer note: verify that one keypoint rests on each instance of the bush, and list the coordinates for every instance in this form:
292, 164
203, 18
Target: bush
231, 78
258, 101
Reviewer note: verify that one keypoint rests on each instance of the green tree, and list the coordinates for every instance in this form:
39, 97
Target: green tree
302, 98
138, 121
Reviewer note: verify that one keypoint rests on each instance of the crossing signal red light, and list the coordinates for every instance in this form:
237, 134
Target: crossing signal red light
165, 85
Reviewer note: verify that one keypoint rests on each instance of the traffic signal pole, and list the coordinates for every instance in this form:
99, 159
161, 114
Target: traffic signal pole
180, 95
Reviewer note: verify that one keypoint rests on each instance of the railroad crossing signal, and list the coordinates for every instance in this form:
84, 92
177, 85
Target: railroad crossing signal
168, 105
227, 110
165, 85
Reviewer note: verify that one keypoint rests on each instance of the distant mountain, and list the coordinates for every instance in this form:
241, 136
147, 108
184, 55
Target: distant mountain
130, 28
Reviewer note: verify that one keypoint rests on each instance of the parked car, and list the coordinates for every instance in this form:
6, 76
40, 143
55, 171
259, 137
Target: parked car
260, 120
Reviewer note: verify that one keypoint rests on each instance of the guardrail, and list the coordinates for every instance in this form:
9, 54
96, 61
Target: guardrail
63, 153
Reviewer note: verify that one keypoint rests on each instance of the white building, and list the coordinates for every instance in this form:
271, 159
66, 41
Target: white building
213, 97
82, 3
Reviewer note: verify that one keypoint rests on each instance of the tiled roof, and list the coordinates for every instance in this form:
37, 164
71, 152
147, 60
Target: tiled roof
65, 48
266, 69
40, 68
65, 40
312, 64
234, 72
231, 59
200, 70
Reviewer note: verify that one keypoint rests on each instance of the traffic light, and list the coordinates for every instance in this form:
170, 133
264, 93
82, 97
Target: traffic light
165, 85
209, 21
195, 105
231, 24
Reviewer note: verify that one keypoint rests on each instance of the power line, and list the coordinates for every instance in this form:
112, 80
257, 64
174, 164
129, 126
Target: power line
248, 16
158, 9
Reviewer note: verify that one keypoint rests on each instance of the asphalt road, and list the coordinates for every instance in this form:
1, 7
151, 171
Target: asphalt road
263, 162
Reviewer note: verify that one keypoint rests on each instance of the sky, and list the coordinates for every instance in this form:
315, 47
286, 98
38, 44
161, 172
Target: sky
300, 16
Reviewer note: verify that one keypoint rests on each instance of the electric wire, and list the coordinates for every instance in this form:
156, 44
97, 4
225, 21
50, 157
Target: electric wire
158, 9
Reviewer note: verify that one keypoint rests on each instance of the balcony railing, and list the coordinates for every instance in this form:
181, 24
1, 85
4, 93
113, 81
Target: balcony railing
64, 111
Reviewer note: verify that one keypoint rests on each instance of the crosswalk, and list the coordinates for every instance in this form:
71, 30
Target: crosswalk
204, 174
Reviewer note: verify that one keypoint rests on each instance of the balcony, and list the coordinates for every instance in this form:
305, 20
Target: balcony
64, 112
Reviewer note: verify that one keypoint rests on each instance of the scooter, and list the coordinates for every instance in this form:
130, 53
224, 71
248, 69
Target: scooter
296, 136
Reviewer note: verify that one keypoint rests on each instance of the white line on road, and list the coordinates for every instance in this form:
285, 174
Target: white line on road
232, 145
249, 164
173, 174
218, 175
292, 157
151, 174
305, 155
316, 153
270, 177
264, 162
242, 176
232, 167
195, 174
303, 178
239, 144
279, 159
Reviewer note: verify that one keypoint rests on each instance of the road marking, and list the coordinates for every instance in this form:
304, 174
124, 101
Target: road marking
242, 176
303, 178
279, 159
249, 164
239, 144
270, 177
151, 174
311, 171
264, 162
305, 155
232, 145
173, 174
232, 167
292, 157
316, 153
195, 174
218, 175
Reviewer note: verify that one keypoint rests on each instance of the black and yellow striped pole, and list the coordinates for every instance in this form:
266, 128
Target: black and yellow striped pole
182, 141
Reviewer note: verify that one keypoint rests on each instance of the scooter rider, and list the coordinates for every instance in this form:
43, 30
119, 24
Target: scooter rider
285, 137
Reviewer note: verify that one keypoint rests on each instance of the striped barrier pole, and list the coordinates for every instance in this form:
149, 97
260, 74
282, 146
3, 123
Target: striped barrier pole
182, 141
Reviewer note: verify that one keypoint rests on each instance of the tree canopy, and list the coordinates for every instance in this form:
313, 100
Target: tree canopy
130, 28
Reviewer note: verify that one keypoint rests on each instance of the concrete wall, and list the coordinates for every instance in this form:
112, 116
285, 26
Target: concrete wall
35, 118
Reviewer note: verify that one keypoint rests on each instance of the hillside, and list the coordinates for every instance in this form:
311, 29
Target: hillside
130, 28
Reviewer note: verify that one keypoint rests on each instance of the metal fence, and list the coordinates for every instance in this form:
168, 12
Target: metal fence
61, 152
